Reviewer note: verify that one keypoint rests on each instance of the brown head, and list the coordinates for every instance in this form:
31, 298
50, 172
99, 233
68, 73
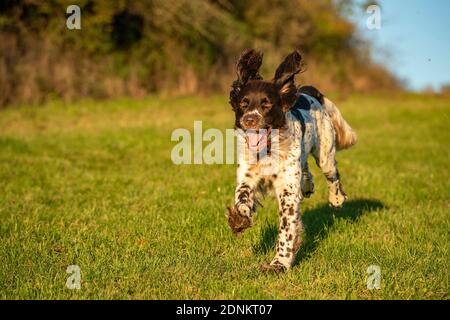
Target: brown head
260, 104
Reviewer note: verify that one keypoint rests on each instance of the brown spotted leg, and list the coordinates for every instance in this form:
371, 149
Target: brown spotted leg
327, 163
240, 216
325, 156
287, 188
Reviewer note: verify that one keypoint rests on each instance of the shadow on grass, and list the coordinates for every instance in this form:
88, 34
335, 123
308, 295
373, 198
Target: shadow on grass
317, 223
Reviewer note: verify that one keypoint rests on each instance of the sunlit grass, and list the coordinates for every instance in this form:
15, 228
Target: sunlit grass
92, 184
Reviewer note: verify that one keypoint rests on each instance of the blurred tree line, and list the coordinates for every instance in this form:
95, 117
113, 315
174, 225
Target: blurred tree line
128, 47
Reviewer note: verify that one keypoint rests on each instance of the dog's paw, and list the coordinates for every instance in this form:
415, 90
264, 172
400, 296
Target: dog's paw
307, 186
307, 194
274, 267
337, 196
239, 218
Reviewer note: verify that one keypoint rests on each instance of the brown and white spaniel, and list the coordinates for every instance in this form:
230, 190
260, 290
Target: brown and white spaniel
278, 126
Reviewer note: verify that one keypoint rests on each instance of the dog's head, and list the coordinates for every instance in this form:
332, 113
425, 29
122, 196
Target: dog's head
260, 104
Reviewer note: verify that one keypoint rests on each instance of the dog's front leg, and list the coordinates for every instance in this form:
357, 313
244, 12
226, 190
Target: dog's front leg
240, 216
287, 188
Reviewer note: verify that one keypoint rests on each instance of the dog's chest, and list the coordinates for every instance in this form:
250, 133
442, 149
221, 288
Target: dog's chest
288, 145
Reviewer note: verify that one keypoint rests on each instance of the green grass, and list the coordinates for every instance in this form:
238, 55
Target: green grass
92, 184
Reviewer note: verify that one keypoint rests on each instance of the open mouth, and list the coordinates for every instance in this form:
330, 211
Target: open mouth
257, 139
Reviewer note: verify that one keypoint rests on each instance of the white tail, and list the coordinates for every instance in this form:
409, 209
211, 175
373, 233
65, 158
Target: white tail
345, 136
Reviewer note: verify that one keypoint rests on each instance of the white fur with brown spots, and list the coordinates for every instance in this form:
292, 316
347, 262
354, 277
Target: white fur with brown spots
314, 127
291, 178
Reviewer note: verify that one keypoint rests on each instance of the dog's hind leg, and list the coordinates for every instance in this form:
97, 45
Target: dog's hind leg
307, 182
325, 156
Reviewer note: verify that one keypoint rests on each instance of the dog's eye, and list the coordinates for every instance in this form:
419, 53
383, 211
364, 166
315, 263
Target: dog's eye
265, 103
244, 103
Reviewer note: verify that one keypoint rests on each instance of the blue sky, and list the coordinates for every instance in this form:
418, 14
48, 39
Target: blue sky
414, 40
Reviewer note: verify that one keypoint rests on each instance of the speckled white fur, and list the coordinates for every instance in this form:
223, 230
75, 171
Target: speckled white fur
289, 172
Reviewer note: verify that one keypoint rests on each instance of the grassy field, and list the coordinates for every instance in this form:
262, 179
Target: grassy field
92, 184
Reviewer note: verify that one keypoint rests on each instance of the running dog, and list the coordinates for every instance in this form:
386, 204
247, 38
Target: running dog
306, 123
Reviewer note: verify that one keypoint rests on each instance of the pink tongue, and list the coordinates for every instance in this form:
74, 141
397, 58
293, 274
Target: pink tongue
253, 139
257, 140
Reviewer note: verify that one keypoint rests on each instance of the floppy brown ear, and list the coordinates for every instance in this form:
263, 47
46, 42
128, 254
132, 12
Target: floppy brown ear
247, 68
284, 78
